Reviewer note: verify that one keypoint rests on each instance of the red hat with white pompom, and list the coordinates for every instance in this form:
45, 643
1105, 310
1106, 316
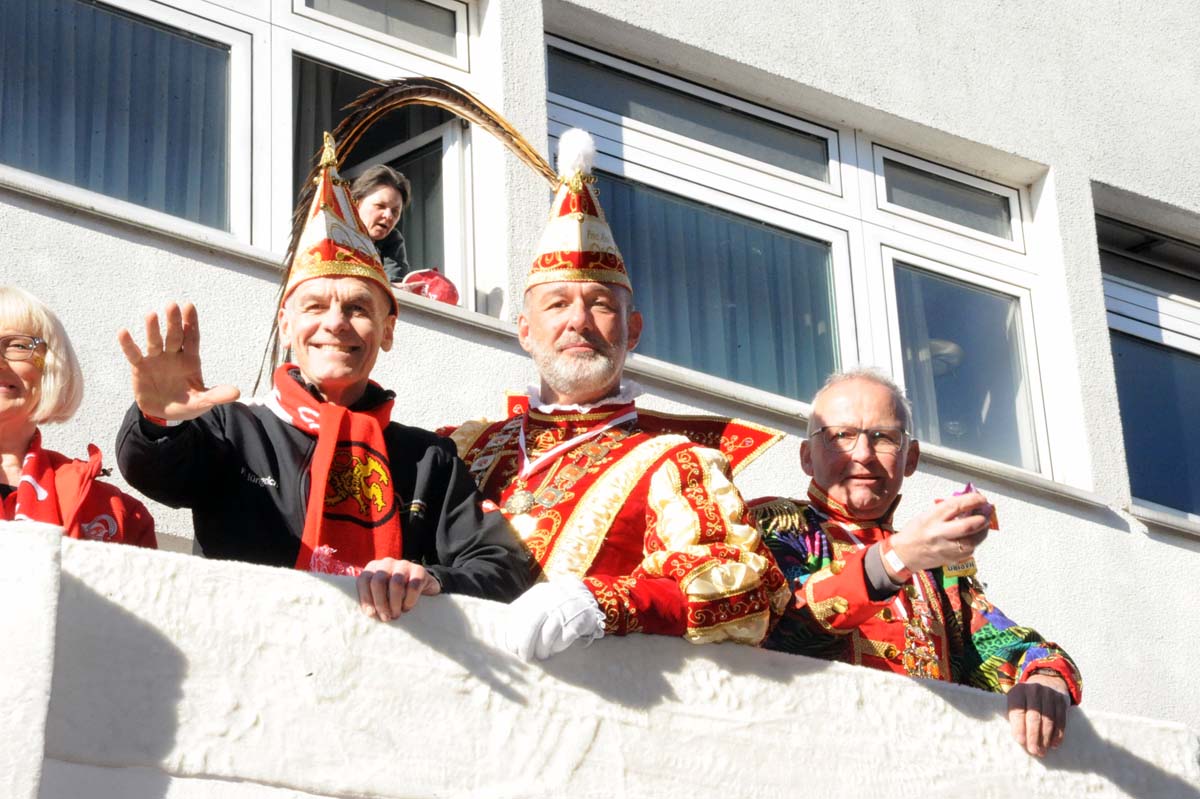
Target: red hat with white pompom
577, 245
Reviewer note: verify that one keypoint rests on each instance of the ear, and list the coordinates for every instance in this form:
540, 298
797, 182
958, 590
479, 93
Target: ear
389, 333
523, 331
635, 329
806, 456
910, 460
284, 320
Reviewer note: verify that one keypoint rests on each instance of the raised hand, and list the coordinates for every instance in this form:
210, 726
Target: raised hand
167, 382
947, 533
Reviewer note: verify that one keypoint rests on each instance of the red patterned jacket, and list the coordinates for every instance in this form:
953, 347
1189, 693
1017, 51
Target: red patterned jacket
641, 506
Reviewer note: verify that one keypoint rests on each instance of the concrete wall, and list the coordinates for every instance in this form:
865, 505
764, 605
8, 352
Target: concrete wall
180, 678
1093, 103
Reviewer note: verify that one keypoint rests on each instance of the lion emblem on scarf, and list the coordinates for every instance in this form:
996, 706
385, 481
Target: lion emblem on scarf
361, 479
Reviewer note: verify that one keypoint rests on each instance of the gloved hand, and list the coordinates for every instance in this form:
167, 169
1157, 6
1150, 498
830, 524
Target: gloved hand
550, 617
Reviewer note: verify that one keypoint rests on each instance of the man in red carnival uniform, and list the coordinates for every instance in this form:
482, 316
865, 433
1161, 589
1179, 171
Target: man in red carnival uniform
316, 476
904, 601
631, 515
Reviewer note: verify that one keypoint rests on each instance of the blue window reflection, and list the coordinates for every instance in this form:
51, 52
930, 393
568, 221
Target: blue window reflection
1157, 388
116, 105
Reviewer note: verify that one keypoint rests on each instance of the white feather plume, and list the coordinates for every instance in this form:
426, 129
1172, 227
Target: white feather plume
576, 152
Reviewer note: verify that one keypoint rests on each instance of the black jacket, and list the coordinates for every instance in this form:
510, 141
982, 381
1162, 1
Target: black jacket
394, 255
244, 473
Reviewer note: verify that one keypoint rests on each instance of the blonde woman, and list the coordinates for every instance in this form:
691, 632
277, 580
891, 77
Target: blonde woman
41, 383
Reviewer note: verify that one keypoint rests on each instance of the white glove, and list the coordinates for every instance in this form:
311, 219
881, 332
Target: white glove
550, 617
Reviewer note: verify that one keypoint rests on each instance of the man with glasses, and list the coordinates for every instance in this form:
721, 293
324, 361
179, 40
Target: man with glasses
904, 601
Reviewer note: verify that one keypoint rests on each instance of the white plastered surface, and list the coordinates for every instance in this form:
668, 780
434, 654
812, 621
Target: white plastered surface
177, 677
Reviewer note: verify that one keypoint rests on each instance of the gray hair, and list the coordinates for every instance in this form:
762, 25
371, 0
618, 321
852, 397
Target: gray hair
870, 374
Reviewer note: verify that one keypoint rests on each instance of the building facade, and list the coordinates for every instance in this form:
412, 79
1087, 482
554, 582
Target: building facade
998, 205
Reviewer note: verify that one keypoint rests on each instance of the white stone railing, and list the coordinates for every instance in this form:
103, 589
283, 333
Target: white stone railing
128, 673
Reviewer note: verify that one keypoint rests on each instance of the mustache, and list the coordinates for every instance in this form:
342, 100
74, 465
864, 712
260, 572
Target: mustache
570, 339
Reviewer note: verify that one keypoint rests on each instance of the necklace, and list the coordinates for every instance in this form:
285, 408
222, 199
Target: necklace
522, 500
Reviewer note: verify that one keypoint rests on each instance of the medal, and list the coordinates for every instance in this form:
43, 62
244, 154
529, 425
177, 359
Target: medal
519, 502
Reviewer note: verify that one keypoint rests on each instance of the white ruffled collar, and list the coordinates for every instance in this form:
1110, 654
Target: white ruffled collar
627, 391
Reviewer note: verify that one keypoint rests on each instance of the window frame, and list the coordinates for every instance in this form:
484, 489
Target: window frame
872, 232
880, 153
240, 34
839, 240
461, 9
956, 267
456, 156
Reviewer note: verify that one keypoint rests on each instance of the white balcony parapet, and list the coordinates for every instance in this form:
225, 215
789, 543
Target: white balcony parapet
178, 677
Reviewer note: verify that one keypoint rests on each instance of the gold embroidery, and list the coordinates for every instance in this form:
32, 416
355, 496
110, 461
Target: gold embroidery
593, 515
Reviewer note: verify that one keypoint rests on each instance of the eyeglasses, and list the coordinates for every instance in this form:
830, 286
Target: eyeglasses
884, 440
21, 348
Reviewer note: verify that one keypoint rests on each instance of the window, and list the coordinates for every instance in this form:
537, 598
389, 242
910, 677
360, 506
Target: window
141, 111
1152, 293
771, 250
432, 28
421, 142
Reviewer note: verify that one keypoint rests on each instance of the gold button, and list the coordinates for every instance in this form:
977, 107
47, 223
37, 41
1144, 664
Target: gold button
890, 652
839, 605
886, 614
911, 591
837, 566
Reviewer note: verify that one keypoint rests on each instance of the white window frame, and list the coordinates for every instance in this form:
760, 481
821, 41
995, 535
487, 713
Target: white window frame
461, 60
342, 40
239, 33
839, 240
891, 249
868, 231
639, 136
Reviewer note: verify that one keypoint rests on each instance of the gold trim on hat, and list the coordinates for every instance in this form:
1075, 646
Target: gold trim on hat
539, 276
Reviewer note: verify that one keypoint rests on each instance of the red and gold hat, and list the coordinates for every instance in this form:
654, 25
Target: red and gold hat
334, 242
577, 245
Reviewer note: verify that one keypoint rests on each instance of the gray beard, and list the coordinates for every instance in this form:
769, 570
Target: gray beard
573, 374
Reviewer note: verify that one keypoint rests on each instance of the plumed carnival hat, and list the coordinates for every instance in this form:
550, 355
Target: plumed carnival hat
577, 245
334, 242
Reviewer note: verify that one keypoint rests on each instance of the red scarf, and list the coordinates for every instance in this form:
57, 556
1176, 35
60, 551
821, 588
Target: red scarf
352, 508
35, 498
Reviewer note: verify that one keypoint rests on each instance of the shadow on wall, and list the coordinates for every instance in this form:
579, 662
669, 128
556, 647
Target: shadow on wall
604, 668
1085, 749
132, 726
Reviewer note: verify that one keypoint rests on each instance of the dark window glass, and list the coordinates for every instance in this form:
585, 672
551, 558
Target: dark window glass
320, 93
1157, 388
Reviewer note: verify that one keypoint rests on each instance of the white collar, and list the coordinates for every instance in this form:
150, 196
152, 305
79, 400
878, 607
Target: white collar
626, 392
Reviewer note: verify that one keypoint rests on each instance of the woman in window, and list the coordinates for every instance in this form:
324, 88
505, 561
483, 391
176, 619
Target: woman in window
381, 194
41, 383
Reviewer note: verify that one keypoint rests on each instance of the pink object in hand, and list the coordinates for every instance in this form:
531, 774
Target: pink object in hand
987, 510
323, 562
432, 284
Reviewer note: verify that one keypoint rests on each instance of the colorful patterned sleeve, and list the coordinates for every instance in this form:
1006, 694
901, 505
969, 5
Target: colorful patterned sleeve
1001, 653
827, 579
705, 574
